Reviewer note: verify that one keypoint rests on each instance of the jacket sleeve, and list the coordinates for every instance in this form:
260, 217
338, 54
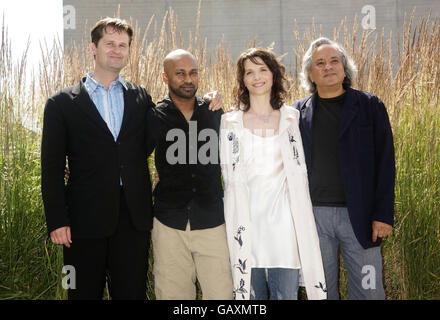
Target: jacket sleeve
384, 164
223, 146
53, 164
150, 123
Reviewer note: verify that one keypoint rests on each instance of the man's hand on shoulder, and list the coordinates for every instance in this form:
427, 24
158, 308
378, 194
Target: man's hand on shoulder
215, 99
61, 236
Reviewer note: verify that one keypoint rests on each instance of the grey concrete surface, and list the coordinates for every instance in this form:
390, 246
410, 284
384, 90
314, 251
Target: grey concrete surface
242, 21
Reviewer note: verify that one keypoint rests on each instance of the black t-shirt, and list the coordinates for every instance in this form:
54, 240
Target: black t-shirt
326, 186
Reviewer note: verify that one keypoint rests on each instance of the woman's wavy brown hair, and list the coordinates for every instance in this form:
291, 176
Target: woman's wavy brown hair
278, 93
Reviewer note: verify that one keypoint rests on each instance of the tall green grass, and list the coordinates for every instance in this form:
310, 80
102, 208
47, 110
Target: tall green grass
30, 266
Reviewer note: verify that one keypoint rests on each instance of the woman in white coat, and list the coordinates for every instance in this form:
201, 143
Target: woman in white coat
271, 230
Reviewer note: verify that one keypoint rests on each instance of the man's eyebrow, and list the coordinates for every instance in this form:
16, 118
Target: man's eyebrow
319, 59
181, 69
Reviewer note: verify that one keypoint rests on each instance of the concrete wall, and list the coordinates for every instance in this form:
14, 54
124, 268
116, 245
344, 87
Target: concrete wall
240, 21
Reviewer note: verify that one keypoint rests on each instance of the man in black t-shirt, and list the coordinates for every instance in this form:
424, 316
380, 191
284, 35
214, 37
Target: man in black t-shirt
349, 151
189, 235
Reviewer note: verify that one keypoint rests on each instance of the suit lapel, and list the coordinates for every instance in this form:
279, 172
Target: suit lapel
306, 128
349, 111
307, 119
129, 105
84, 103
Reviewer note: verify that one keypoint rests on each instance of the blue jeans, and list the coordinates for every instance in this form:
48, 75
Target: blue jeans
364, 266
281, 283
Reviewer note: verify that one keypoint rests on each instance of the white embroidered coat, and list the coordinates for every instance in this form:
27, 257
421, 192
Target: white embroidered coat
236, 201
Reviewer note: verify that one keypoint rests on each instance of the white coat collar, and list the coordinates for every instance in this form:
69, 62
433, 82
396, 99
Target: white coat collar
234, 117
288, 114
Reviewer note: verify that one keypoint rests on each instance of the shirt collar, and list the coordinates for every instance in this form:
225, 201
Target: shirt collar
167, 100
93, 84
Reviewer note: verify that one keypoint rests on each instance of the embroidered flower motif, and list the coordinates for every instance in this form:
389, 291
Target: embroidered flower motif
241, 266
232, 137
240, 290
238, 236
321, 286
295, 150
235, 161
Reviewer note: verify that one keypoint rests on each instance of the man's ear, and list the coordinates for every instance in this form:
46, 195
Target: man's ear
93, 48
164, 78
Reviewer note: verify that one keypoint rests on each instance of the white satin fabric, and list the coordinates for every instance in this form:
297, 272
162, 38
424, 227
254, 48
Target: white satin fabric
274, 243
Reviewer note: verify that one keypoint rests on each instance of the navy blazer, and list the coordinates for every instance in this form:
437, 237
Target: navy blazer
366, 156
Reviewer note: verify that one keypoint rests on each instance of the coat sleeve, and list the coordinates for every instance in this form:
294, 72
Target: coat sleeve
384, 164
150, 123
53, 164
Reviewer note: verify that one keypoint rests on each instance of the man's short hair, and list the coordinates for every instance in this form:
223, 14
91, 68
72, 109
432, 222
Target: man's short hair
116, 24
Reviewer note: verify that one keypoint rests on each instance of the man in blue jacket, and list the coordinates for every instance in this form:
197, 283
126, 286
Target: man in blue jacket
349, 151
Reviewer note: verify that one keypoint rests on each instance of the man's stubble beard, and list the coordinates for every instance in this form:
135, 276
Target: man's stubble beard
183, 94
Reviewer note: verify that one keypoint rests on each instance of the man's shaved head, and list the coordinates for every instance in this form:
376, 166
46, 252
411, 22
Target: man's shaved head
174, 56
181, 74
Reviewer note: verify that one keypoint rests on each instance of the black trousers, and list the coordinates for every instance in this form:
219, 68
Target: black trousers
121, 260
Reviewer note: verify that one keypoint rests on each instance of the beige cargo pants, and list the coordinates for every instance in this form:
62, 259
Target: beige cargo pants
181, 257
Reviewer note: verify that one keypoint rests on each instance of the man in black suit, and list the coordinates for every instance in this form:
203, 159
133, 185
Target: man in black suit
103, 216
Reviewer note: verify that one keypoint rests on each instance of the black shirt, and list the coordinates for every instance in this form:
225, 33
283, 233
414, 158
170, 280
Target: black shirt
326, 186
188, 165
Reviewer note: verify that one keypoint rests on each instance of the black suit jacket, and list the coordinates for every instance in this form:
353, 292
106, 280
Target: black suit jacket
89, 203
366, 156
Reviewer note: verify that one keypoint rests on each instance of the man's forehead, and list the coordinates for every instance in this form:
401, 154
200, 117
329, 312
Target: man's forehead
183, 58
184, 62
185, 70
110, 31
326, 50
338, 56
